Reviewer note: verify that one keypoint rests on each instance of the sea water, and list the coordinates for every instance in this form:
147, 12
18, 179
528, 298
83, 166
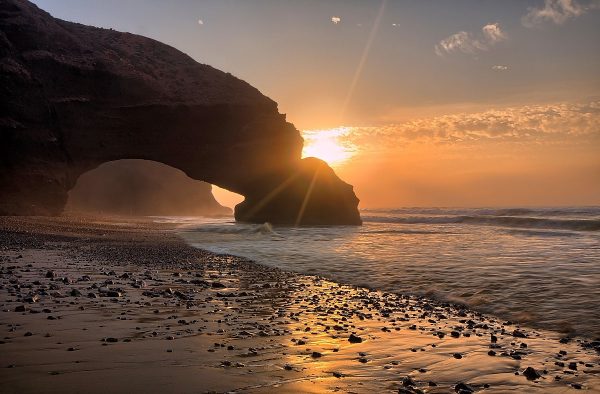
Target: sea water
536, 266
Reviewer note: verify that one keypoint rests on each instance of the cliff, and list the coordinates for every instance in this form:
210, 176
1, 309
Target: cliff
73, 97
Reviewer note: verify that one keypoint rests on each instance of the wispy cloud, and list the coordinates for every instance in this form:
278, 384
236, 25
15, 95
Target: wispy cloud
500, 68
468, 43
336, 19
557, 11
534, 123
493, 33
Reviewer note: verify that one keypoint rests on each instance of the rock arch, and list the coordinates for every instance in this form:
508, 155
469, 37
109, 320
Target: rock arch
73, 97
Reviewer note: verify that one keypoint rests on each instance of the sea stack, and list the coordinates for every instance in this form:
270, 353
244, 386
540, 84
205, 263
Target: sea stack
73, 97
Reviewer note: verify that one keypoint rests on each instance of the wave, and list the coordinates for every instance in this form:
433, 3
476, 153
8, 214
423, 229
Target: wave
408, 232
504, 221
544, 212
263, 229
542, 233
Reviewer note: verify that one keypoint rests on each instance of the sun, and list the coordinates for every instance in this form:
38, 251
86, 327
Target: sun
327, 145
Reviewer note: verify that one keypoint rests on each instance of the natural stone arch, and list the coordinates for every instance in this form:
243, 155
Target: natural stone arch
73, 97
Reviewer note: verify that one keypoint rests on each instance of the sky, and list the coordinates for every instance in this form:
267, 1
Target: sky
415, 103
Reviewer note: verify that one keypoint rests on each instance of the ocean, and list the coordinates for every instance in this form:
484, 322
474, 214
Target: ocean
537, 266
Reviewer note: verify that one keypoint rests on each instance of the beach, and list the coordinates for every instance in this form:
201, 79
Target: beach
122, 305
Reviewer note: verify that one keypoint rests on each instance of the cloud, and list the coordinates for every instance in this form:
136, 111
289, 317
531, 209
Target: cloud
557, 11
200, 22
533, 123
466, 42
500, 68
336, 19
493, 33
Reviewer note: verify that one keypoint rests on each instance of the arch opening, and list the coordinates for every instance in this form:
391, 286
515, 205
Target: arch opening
134, 187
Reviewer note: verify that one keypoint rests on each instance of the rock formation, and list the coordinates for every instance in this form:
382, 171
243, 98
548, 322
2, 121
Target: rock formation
142, 187
73, 97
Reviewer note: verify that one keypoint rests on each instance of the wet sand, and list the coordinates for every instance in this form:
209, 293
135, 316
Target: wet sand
90, 305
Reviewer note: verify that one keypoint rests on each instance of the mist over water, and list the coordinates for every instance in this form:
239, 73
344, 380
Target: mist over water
537, 266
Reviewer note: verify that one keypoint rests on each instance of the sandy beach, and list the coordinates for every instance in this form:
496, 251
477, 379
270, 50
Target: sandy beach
91, 305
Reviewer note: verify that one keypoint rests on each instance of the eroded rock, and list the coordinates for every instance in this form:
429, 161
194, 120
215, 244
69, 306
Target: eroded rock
74, 97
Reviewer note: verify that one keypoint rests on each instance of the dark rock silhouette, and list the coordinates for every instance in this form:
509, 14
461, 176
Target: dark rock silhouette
141, 187
73, 97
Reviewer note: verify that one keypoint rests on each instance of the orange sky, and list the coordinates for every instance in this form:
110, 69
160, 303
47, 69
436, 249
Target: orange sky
543, 155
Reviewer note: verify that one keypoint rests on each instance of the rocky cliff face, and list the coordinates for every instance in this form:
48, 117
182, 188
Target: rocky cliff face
73, 97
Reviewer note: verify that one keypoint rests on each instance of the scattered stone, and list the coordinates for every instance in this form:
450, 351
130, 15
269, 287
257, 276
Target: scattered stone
113, 294
75, 293
354, 339
32, 299
531, 374
408, 382
463, 388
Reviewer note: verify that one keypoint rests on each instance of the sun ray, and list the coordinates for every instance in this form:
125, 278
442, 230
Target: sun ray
307, 197
363, 59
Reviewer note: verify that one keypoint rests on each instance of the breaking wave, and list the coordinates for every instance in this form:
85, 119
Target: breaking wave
503, 221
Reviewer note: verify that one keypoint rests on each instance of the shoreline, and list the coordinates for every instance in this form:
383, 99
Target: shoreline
181, 319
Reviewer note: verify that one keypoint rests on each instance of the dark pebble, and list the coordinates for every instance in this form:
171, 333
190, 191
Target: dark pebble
463, 388
354, 339
531, 374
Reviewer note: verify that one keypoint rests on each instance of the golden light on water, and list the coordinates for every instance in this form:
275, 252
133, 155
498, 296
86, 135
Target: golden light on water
328, 145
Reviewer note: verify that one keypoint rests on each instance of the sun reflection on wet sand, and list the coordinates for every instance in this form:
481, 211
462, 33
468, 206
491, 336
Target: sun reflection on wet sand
406, 343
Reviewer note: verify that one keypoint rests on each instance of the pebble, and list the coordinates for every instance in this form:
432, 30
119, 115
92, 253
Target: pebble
463, 388
354, 339
531, 374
